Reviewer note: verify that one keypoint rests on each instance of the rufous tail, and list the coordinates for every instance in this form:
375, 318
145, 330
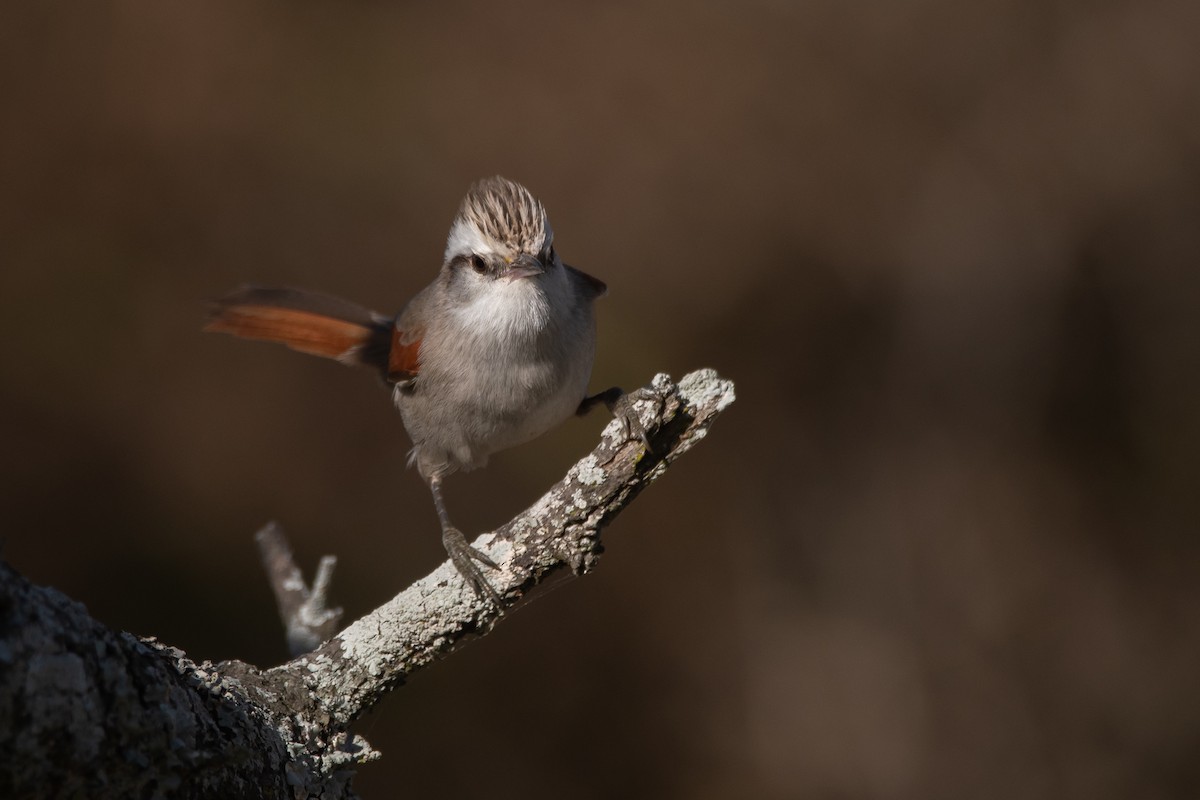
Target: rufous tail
306, 321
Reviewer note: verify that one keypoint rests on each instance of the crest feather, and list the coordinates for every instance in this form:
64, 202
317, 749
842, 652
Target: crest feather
507, 213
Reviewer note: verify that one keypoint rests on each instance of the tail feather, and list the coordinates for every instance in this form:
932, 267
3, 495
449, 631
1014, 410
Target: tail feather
305, 321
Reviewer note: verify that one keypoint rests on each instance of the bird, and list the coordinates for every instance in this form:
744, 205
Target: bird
494, 352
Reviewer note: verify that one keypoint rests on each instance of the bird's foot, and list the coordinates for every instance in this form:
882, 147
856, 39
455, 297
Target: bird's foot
464, 557
620, 405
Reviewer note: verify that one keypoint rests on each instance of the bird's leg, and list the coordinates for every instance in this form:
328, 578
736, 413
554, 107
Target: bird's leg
462, 554
619, 405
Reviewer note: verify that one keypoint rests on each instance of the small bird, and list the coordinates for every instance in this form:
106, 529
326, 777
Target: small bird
493, 353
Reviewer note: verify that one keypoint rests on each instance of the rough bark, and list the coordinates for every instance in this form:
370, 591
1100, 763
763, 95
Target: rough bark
89, 712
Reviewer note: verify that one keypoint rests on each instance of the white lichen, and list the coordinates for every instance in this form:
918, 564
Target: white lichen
704, 388
588, 472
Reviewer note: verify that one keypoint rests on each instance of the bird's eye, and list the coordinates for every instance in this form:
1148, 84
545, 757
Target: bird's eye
478, 264
548, 259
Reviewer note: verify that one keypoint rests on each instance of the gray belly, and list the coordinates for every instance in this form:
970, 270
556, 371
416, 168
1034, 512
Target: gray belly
457, 420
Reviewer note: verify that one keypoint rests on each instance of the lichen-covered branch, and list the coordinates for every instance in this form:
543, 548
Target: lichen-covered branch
348, 674
88, 712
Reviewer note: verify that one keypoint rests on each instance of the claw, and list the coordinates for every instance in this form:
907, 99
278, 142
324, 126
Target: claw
623, 409
620, 405
464, 557
631, 422
462, 554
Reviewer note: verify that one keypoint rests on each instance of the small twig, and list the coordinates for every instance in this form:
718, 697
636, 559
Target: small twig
304, 612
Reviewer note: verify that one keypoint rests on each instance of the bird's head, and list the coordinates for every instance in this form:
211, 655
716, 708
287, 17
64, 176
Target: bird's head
501, 233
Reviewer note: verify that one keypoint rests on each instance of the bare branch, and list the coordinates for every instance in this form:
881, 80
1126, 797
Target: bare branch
348, 674
306, 618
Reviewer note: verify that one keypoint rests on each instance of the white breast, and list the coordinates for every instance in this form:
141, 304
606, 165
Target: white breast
516, 363
512, 312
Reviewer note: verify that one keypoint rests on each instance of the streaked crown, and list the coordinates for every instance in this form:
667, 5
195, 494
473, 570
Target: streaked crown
499, 216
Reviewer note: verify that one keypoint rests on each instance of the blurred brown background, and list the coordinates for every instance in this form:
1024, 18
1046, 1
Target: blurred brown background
944, 545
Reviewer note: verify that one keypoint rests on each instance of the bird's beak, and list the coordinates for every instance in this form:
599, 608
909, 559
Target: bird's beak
523, 266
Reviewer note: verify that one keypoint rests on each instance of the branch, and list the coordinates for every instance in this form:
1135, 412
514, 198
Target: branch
350, 673
306, 618
89, 712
